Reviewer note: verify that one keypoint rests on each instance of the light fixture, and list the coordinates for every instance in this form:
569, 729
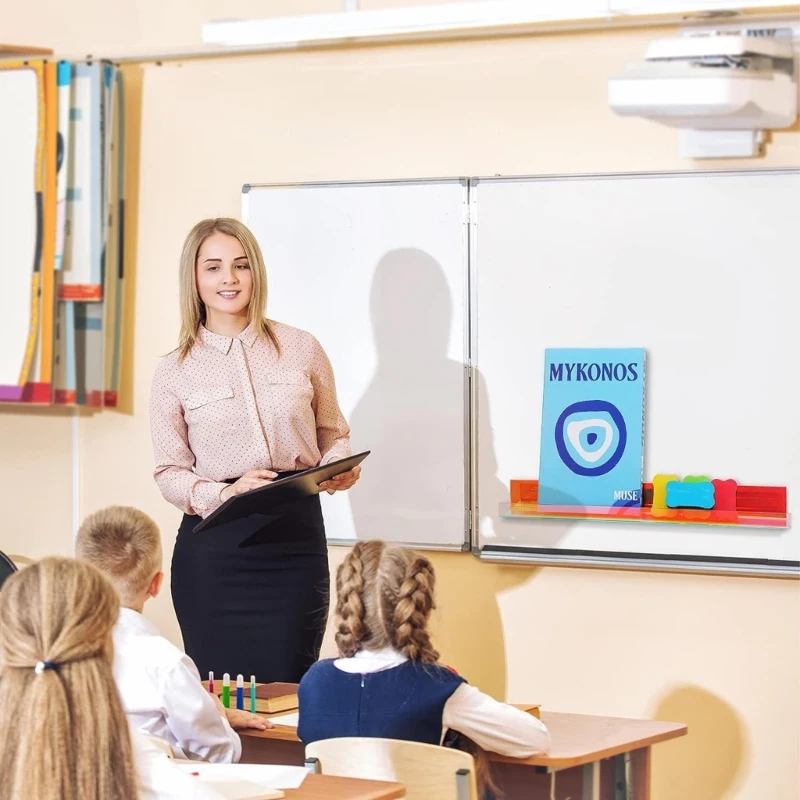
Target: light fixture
480, 17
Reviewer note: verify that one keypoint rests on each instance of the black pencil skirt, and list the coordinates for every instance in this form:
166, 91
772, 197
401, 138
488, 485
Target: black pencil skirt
252, 596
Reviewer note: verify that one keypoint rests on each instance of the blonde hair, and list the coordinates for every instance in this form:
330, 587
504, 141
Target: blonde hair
385, 596
193, 310
123, 543
63, 732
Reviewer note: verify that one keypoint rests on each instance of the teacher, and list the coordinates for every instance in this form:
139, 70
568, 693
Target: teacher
242, 401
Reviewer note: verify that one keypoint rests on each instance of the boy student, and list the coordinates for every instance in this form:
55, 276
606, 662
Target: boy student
159, 684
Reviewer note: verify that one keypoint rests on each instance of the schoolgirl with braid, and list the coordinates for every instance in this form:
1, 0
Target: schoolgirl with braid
388, 682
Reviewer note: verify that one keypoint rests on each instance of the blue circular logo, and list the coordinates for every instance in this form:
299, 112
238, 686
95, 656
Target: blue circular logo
591, 437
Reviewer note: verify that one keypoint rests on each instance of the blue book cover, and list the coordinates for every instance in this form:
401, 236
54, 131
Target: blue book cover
592, 427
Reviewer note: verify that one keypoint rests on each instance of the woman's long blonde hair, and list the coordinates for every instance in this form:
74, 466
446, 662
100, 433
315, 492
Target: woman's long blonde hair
63, 732
193, 310
385, 596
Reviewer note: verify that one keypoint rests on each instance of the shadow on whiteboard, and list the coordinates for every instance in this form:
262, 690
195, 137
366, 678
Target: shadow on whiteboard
412, 413
543, 533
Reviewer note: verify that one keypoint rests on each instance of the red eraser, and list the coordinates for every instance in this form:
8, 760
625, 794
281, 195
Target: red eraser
724, 495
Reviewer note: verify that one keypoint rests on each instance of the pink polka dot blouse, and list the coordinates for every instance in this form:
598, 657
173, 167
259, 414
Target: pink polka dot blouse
235, 404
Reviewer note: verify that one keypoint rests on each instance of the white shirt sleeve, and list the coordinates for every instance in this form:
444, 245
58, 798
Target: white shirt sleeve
202, 733
497, 727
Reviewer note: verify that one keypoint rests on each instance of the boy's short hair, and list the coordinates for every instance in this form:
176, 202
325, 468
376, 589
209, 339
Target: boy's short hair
125, 544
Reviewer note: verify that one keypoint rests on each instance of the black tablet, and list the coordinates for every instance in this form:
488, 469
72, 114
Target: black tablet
284, 490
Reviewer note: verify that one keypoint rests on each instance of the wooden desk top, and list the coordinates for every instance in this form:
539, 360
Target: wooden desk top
582, 739
577, 738
327, 787
282, 732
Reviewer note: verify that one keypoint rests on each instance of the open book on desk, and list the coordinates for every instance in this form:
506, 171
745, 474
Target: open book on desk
245, 781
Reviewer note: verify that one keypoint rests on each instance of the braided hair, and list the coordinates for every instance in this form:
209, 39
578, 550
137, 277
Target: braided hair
385, 598
350, 607
408, 628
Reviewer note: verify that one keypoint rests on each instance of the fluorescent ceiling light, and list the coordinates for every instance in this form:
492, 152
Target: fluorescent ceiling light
442, 18
647, 7
454, 19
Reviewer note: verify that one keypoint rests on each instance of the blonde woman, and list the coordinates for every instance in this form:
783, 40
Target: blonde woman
388, 682
242, 401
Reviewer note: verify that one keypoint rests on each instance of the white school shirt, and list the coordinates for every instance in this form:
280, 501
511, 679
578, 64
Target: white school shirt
162, 694
497, 727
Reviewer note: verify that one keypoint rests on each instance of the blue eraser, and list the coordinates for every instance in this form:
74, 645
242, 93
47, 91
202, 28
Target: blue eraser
690, 495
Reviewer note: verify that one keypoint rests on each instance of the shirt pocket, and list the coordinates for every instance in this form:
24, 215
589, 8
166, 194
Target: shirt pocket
212, 409
291, 390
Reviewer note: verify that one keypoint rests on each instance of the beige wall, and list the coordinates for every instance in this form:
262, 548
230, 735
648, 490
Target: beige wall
722, 654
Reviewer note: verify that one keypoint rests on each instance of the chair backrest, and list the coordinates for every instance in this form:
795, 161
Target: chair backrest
429, 772
21, 561
7, 568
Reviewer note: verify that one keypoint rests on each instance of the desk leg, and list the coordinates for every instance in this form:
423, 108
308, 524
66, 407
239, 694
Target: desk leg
640, 773
591, 781
622, 777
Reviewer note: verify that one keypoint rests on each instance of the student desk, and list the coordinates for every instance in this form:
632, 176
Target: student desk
327, 787
591, 758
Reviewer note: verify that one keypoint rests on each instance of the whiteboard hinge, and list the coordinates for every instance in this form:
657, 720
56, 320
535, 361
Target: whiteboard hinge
472, 213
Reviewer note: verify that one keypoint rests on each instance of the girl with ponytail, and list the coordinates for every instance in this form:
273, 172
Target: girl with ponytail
388, 682
63, 731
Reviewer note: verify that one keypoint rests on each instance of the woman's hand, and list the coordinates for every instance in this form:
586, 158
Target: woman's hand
338, 483
250, 480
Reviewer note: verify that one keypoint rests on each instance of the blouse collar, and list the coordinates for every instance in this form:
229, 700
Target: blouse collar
223, 343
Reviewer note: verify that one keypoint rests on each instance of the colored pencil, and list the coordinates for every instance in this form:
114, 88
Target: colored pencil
240, 692
226, 690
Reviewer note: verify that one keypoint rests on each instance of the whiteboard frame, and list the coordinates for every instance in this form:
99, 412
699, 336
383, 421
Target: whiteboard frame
467, 544
582, 558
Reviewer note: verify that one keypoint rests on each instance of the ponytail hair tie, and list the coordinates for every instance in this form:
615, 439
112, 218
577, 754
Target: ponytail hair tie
41, 666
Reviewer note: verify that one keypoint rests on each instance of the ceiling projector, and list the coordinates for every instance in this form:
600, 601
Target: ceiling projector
722, 82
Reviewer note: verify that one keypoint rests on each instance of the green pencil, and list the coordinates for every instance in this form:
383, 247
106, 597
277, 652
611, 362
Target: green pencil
252, 694
226, 690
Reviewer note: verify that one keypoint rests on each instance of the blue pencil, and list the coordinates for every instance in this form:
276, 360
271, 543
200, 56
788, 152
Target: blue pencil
240, 692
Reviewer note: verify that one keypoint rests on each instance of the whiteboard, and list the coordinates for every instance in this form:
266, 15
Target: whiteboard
378, 273
698, 268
